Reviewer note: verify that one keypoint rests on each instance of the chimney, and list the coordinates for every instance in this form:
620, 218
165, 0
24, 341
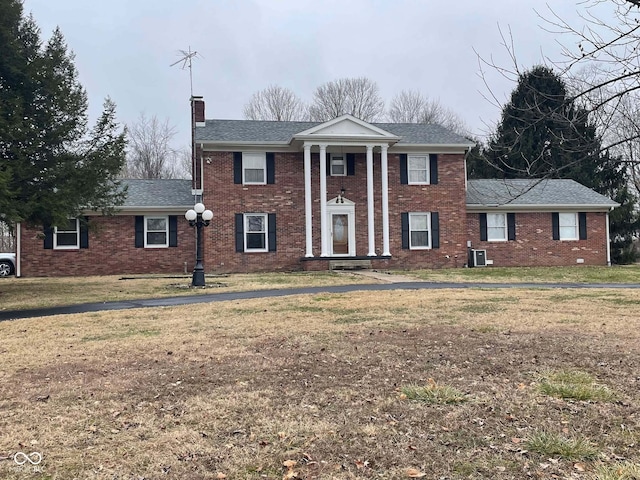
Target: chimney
197, 109
197, 120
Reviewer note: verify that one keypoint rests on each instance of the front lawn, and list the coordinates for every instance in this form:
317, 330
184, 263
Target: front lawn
398, 384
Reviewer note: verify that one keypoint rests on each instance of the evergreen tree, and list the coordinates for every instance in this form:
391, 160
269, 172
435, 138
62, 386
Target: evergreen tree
544, 134
51, 165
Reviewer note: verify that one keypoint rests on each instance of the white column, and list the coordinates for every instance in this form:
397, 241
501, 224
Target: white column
323, 201
370, 203
608, 242
308, 212
385, 200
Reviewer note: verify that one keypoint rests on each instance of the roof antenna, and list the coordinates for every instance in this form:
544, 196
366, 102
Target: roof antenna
187, 56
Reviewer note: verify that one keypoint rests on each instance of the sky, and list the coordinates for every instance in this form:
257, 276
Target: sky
124, 50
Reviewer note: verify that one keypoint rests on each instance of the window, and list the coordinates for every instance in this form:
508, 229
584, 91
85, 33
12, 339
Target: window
338, 167
254, 168
255, 232
156, 232
568, 223
496, 227
67, 236
419, 234
418, 168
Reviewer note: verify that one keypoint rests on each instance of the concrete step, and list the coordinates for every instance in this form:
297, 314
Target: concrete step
349, 264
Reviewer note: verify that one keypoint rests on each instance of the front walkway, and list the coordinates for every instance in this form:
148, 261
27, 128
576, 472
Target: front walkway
407, 284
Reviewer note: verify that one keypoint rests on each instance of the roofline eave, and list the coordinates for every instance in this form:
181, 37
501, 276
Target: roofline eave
511, 207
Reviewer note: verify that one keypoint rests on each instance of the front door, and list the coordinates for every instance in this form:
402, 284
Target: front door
339, 234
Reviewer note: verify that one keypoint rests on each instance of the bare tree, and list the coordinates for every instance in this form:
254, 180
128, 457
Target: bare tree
150, 153
355, 96
7, 238
413, 107
604, 44
275, 103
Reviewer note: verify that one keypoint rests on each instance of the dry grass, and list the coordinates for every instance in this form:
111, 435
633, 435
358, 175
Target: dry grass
239, 388
23, 293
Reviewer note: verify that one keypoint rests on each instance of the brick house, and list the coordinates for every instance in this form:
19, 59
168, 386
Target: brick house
311, 196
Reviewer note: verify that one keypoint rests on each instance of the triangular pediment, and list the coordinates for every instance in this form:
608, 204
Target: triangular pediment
346, 127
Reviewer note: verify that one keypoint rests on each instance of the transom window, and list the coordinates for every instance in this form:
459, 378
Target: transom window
419, 230
338, 165
496, 227
254, 168
67, 236
156, 232
418, 169
568, 226
255, 232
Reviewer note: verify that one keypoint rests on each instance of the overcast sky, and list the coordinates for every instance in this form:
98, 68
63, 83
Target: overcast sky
124, 49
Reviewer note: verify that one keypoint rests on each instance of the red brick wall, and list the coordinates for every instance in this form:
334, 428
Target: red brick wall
534, 244
111, 251
286, 199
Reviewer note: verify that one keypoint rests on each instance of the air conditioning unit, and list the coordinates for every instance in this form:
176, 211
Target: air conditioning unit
479, 258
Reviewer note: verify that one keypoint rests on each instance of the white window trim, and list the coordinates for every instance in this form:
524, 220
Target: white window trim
67, 247
342, 158
262, 156
420, 247
576, 225
506, 228
246, 231
146, 230
427, 167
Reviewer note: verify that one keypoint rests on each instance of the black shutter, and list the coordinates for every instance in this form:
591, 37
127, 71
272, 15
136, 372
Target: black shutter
404, 170
555, 225
173, 231
48, 237
84, 232
511, 226
139, 231
351, 164
239, 232
433, 169
435, 230
271, 168
237, 167
328, 160
483, 227
272, 232
582, 225
405, 230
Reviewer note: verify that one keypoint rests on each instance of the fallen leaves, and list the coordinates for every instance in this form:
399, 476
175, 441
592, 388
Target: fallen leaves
415, 473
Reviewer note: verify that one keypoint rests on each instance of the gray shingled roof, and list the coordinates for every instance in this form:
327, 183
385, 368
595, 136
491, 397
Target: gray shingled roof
533, 192
158, 193
256, 131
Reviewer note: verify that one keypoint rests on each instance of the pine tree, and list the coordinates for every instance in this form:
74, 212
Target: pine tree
51, 165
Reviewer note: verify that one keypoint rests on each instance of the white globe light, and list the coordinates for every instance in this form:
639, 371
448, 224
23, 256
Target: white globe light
207, 215
190, 215
198, 207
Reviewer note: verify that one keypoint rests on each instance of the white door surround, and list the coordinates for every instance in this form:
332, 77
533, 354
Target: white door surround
341, 231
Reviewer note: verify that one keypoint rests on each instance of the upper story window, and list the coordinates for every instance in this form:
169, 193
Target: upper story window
496, 227
338, 165
254, 168
568, 226
67, 236
418, 169
156, 232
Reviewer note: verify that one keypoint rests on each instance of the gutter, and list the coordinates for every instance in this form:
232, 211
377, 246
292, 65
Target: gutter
608, 241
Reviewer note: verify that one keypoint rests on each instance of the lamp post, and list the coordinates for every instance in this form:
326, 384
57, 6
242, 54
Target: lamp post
198, 217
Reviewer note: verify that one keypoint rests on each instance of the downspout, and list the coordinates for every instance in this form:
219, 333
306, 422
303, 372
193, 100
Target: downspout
608, 243
18, 248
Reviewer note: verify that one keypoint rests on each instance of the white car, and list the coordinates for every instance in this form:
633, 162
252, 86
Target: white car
7, 264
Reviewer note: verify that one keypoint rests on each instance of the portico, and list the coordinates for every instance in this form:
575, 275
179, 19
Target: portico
350, 134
